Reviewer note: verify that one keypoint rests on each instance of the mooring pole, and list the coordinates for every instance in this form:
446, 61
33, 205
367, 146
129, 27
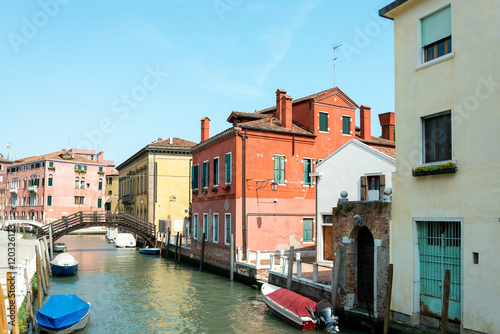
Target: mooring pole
168, 242
388, 300
180, 248
446, 300
161, 243
202, 251
176, 245
335, 280
38, 280
231, 254
290, 269
51, 243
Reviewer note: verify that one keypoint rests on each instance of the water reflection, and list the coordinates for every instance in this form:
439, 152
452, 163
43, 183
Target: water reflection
135, 293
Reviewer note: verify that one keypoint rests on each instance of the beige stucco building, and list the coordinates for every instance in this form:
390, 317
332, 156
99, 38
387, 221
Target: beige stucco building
445, 214
154, 183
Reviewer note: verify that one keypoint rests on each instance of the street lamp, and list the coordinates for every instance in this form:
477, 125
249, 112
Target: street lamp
274, 186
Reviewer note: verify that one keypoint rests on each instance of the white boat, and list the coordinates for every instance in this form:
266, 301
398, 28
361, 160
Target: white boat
64, 265
125, 240
59, 247
111, 235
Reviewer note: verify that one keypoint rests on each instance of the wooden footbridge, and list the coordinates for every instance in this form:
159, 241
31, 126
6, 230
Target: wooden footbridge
84, 219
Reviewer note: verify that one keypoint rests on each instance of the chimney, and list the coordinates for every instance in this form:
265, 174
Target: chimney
205, 126
279, 107
100, 156
286, 103
171, 141
365, 122
388, 123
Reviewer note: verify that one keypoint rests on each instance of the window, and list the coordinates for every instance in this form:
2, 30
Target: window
79, 200
205, 226
32, 166
346, 125
99, 187
327, 219
227, 227
436, 34
323, 121
49, 200
37, 165
99, 203
101, 169
216, 227
279, 169
307, 230
195, 232
77, 183
227, 168
51, 164
437, 137
308, 168
50, 181
204, 174
195, 177
82, 183
216, 172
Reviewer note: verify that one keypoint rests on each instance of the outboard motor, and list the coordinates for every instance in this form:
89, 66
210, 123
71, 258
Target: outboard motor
326, 319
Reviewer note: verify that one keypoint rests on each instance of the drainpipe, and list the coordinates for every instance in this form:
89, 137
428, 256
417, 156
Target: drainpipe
244, 194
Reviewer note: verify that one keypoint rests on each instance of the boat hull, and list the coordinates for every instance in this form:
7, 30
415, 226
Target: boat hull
302, 322
79, 325
64, 313
149, 251
64, 270
59, 247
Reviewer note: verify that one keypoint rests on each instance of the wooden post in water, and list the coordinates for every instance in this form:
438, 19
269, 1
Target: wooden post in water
446, 301
43, 287
4, 329
11, 292
51, 244
38, 280
388, 300
335, 280
44, 265
156, 239
168, 242
290, 269
47, 256
176, 244
231, 254
202, 251
161, 243
180, 248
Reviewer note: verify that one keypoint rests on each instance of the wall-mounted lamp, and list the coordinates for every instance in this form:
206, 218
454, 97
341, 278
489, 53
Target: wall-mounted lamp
274, 186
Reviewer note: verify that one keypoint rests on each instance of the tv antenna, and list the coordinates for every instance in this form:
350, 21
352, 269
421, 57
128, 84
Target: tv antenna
334, 59
9, 154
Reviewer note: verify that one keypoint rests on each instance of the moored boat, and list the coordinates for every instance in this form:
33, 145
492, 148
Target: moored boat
149, 251
59, 247
63, 314
64, 265
124, 240
299, 311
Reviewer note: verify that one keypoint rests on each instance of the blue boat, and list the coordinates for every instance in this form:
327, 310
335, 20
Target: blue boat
149, 251
63, 314
64, 265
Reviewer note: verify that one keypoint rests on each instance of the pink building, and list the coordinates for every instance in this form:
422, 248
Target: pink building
4, 164
53, 185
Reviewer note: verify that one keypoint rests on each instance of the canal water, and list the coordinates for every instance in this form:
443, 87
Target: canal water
134, 293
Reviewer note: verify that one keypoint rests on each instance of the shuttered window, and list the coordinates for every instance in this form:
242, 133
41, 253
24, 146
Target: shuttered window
204, 175
346, 125
228, 229
216, 172
279, 169
216, 228
49, 200
323, 121
195, 225
436, 34
195, 177
99, 203
308, 168
307, 230
227, 168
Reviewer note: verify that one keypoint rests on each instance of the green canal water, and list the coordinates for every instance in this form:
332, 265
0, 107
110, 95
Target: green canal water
134, 293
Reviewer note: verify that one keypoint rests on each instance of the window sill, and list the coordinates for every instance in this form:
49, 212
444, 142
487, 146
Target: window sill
446, 167
435, 61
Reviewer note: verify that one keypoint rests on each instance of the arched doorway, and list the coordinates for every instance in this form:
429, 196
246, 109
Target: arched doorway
365, 268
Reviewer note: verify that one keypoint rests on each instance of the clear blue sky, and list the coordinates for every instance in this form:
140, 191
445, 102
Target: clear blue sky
114, 75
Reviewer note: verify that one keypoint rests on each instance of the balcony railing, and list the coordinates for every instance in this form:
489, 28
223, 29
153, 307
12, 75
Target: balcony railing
32, 189
128, 199
14, 190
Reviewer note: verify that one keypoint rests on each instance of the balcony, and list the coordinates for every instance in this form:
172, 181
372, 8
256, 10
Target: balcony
128, 199
32, 189
14, 190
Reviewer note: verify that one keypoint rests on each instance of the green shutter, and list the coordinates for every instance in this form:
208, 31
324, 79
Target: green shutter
49, 200
306, 170
100, 185
50, 182
323, 121
228, 229
436, 26
228, 168
346, 125
99, 203
307, 235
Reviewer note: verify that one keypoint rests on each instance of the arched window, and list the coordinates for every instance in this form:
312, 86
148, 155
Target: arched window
99, 187
77, 182
50, 181
82, 183
49, 199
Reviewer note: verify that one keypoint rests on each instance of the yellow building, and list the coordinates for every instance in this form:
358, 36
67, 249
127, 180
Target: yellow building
445, 212
111, 203
154, 183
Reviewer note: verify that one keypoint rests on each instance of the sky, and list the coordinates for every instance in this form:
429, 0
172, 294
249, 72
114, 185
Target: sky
114, 75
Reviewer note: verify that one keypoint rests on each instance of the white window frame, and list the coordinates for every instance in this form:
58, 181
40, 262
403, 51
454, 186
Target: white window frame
327, 122
215, 227
226, 237
216, 171
230, 167
205, 225
422, 138
342, 128
196, 223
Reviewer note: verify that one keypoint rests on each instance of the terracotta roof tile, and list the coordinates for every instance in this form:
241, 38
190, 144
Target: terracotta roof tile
176, 142
376, 141
271, 124
386, 150
56, 156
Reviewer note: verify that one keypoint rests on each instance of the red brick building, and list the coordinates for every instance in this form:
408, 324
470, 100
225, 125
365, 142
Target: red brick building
235, 171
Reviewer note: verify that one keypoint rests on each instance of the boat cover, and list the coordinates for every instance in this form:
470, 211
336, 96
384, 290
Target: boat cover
64, 259
292, 301
61, 312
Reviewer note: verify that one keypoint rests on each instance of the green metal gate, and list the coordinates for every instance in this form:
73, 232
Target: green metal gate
440, 250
